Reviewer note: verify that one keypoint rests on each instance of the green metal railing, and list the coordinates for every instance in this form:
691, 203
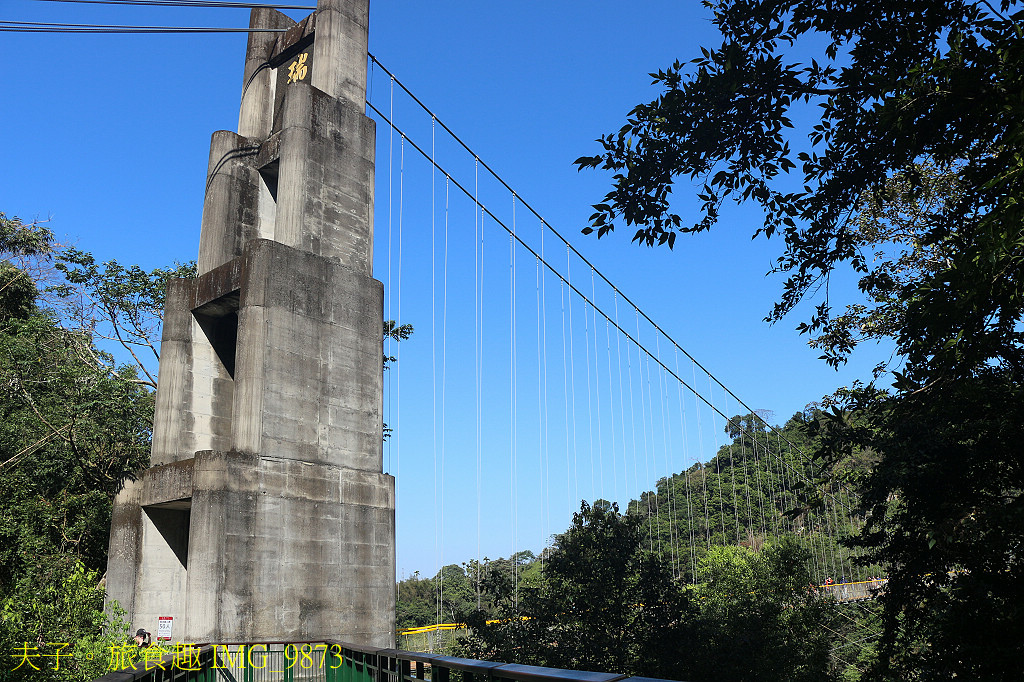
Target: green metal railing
333, 661
277, 662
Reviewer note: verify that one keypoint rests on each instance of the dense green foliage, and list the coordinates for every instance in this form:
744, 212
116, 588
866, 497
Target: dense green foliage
947, 519
60, 631
607, 603
911, 176
73, 426
604, 604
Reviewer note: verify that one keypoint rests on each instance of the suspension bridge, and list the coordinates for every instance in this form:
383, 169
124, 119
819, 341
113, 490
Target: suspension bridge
529, 364
530, 382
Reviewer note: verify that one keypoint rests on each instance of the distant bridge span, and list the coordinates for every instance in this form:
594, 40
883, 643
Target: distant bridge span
430, 638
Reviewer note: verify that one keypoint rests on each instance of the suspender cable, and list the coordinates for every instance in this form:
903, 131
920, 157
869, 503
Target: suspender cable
718, 466
513, 398
389, 342
732, 477
590, 404
433, 371
746, 482
597, 389
545, 507
774, 486
572, 388
670, 483
444, 372
565, 392
398, 310
540, 406
586, 261
700, 453
644, 429
760, 489
573, 289
611, 405
632, 422
686, 472
622, 405
654, 456
392, 349
478, 266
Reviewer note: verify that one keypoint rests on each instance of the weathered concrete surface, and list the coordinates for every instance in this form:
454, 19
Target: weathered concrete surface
309, 379
256, 113
325, 207
340, 50
285, 181
266, 514
311, 548
231, 209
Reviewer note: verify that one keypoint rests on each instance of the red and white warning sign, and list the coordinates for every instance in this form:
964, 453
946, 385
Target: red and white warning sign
164, 625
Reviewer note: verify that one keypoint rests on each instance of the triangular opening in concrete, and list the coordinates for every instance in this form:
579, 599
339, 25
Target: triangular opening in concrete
219, 321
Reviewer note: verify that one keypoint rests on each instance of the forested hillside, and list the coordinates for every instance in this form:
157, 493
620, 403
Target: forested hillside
762, 483
709, 576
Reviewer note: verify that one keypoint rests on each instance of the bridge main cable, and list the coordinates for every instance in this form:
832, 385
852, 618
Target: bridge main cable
188, 3
579, 293
576, 252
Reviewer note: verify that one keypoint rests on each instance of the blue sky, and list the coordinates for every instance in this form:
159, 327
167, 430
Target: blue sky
108, 138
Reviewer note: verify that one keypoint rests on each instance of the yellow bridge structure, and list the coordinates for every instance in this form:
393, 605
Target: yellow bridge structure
438, 637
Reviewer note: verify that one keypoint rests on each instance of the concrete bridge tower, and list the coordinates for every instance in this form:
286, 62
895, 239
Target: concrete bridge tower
266, 514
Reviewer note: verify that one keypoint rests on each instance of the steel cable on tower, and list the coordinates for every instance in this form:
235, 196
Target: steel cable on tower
187, 3
57, 27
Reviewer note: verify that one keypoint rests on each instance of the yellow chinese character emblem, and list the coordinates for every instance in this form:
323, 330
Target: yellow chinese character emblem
297, 70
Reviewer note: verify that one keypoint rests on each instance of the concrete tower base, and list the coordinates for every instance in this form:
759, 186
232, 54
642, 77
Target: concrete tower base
296, 561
